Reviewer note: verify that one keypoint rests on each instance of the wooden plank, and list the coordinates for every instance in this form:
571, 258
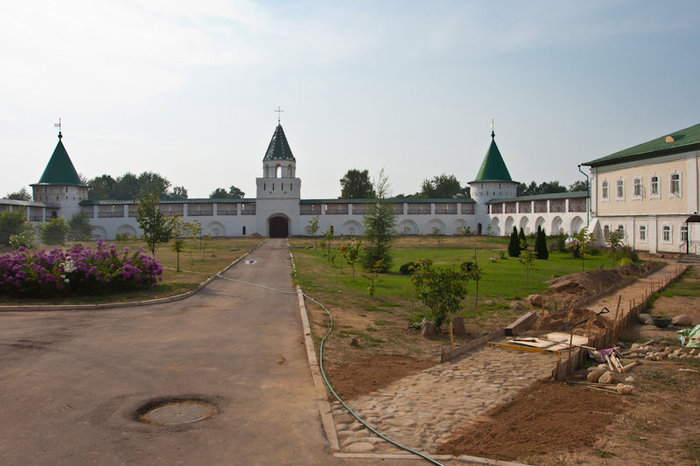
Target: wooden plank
526, 349
524, 322
562, 337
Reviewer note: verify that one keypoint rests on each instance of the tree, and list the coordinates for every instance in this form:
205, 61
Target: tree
614, 240
314, 227
54, 232
379, 226
443, 187
441, 289
473, 272
514, 245
102, 188
527, 258
351, 254
579, 186
180, 230
13, 223
522, 239
79, 228
546, 187
581, 244
221, 193
21, 195
541, 244
178, 192
156, 226
356, 185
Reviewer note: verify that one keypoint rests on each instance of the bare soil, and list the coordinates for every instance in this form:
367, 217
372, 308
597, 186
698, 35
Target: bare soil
556, 424
357, 378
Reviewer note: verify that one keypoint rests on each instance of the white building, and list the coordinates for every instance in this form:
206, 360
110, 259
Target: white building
278, 210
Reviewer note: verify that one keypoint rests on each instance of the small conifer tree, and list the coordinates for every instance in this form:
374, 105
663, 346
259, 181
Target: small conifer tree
541, 244
514, 245
522, 239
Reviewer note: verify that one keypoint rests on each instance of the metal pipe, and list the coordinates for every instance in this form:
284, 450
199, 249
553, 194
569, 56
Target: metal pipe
588, 192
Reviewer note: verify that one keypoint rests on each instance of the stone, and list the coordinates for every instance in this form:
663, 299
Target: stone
607, 378
535, 300
644, 319
682, 320
595, 374
693, 352
427, 328
360, 447
636, 346
458, 327
517, 306
354, 341
623, 389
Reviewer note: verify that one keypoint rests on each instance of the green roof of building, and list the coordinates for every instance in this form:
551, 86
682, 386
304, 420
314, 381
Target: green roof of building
279, 147
493, 168
542, 197
684, 140
60, 169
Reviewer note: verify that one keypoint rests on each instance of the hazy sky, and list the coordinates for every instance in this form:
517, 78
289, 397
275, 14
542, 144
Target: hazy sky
188, 89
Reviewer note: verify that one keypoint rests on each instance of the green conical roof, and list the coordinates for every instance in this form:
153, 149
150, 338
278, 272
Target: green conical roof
279, 147
493, 168
60, 169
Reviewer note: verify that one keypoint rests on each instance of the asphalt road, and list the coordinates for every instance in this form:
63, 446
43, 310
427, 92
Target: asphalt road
71, 382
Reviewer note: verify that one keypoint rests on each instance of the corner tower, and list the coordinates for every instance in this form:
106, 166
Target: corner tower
278, 190
60, 184
492, 182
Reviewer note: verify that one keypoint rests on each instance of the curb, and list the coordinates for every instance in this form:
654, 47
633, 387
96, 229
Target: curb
324, 407
97, 307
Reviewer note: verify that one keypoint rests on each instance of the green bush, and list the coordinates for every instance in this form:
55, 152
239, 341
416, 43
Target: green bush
80, 228
54, 232
22, 240
409, 268
514, 245
12, 223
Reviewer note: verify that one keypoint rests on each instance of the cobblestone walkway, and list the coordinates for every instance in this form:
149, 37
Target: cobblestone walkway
421, 411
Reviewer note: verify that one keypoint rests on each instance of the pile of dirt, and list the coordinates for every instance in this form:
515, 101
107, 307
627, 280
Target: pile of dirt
580, 285
356, 378
545, 418
564, 320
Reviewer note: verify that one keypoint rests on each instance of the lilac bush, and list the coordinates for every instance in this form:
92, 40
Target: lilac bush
77, 271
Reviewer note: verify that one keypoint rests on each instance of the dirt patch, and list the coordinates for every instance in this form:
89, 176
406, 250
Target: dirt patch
564, 320
357, 378
556, 424
583, 284
547, 417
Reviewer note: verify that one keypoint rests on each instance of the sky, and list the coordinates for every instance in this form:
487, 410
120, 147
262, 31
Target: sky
189, 89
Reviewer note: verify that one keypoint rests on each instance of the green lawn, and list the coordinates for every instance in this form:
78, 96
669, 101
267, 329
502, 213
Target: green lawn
687, 286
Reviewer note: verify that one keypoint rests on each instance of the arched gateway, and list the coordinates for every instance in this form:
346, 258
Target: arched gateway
279, 227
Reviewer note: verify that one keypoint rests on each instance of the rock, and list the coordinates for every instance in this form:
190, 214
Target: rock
427, 328
517, 306
595, 374
693, 352
535, 300
359, 447
607, 378
644, 319
682, 320
354, 341
458, 327
636, 346
623, 389
629, 379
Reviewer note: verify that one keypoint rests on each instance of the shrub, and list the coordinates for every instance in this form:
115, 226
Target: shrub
54, 232
22, 240
121, 237
77, 271
541, 244
80, 228
409, 268
12, 223
514, 245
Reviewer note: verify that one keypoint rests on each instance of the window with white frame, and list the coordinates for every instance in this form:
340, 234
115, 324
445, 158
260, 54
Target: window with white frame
620, 189
666, 233
637, 187
606, 231
676, 184
684, 233
604, 189
621, 230
654, 188
642, 232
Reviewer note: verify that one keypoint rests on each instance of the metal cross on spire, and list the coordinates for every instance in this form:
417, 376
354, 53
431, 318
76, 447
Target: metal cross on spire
493, 133
279, 113
58, 125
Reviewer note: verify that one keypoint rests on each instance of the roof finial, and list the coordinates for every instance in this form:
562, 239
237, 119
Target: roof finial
58, 125
493, 133
279, 112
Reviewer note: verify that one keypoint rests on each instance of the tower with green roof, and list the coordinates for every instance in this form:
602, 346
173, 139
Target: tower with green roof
60, 186
492, 182
278, 190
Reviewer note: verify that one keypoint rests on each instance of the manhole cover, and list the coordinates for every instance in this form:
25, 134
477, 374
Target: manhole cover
171, 413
